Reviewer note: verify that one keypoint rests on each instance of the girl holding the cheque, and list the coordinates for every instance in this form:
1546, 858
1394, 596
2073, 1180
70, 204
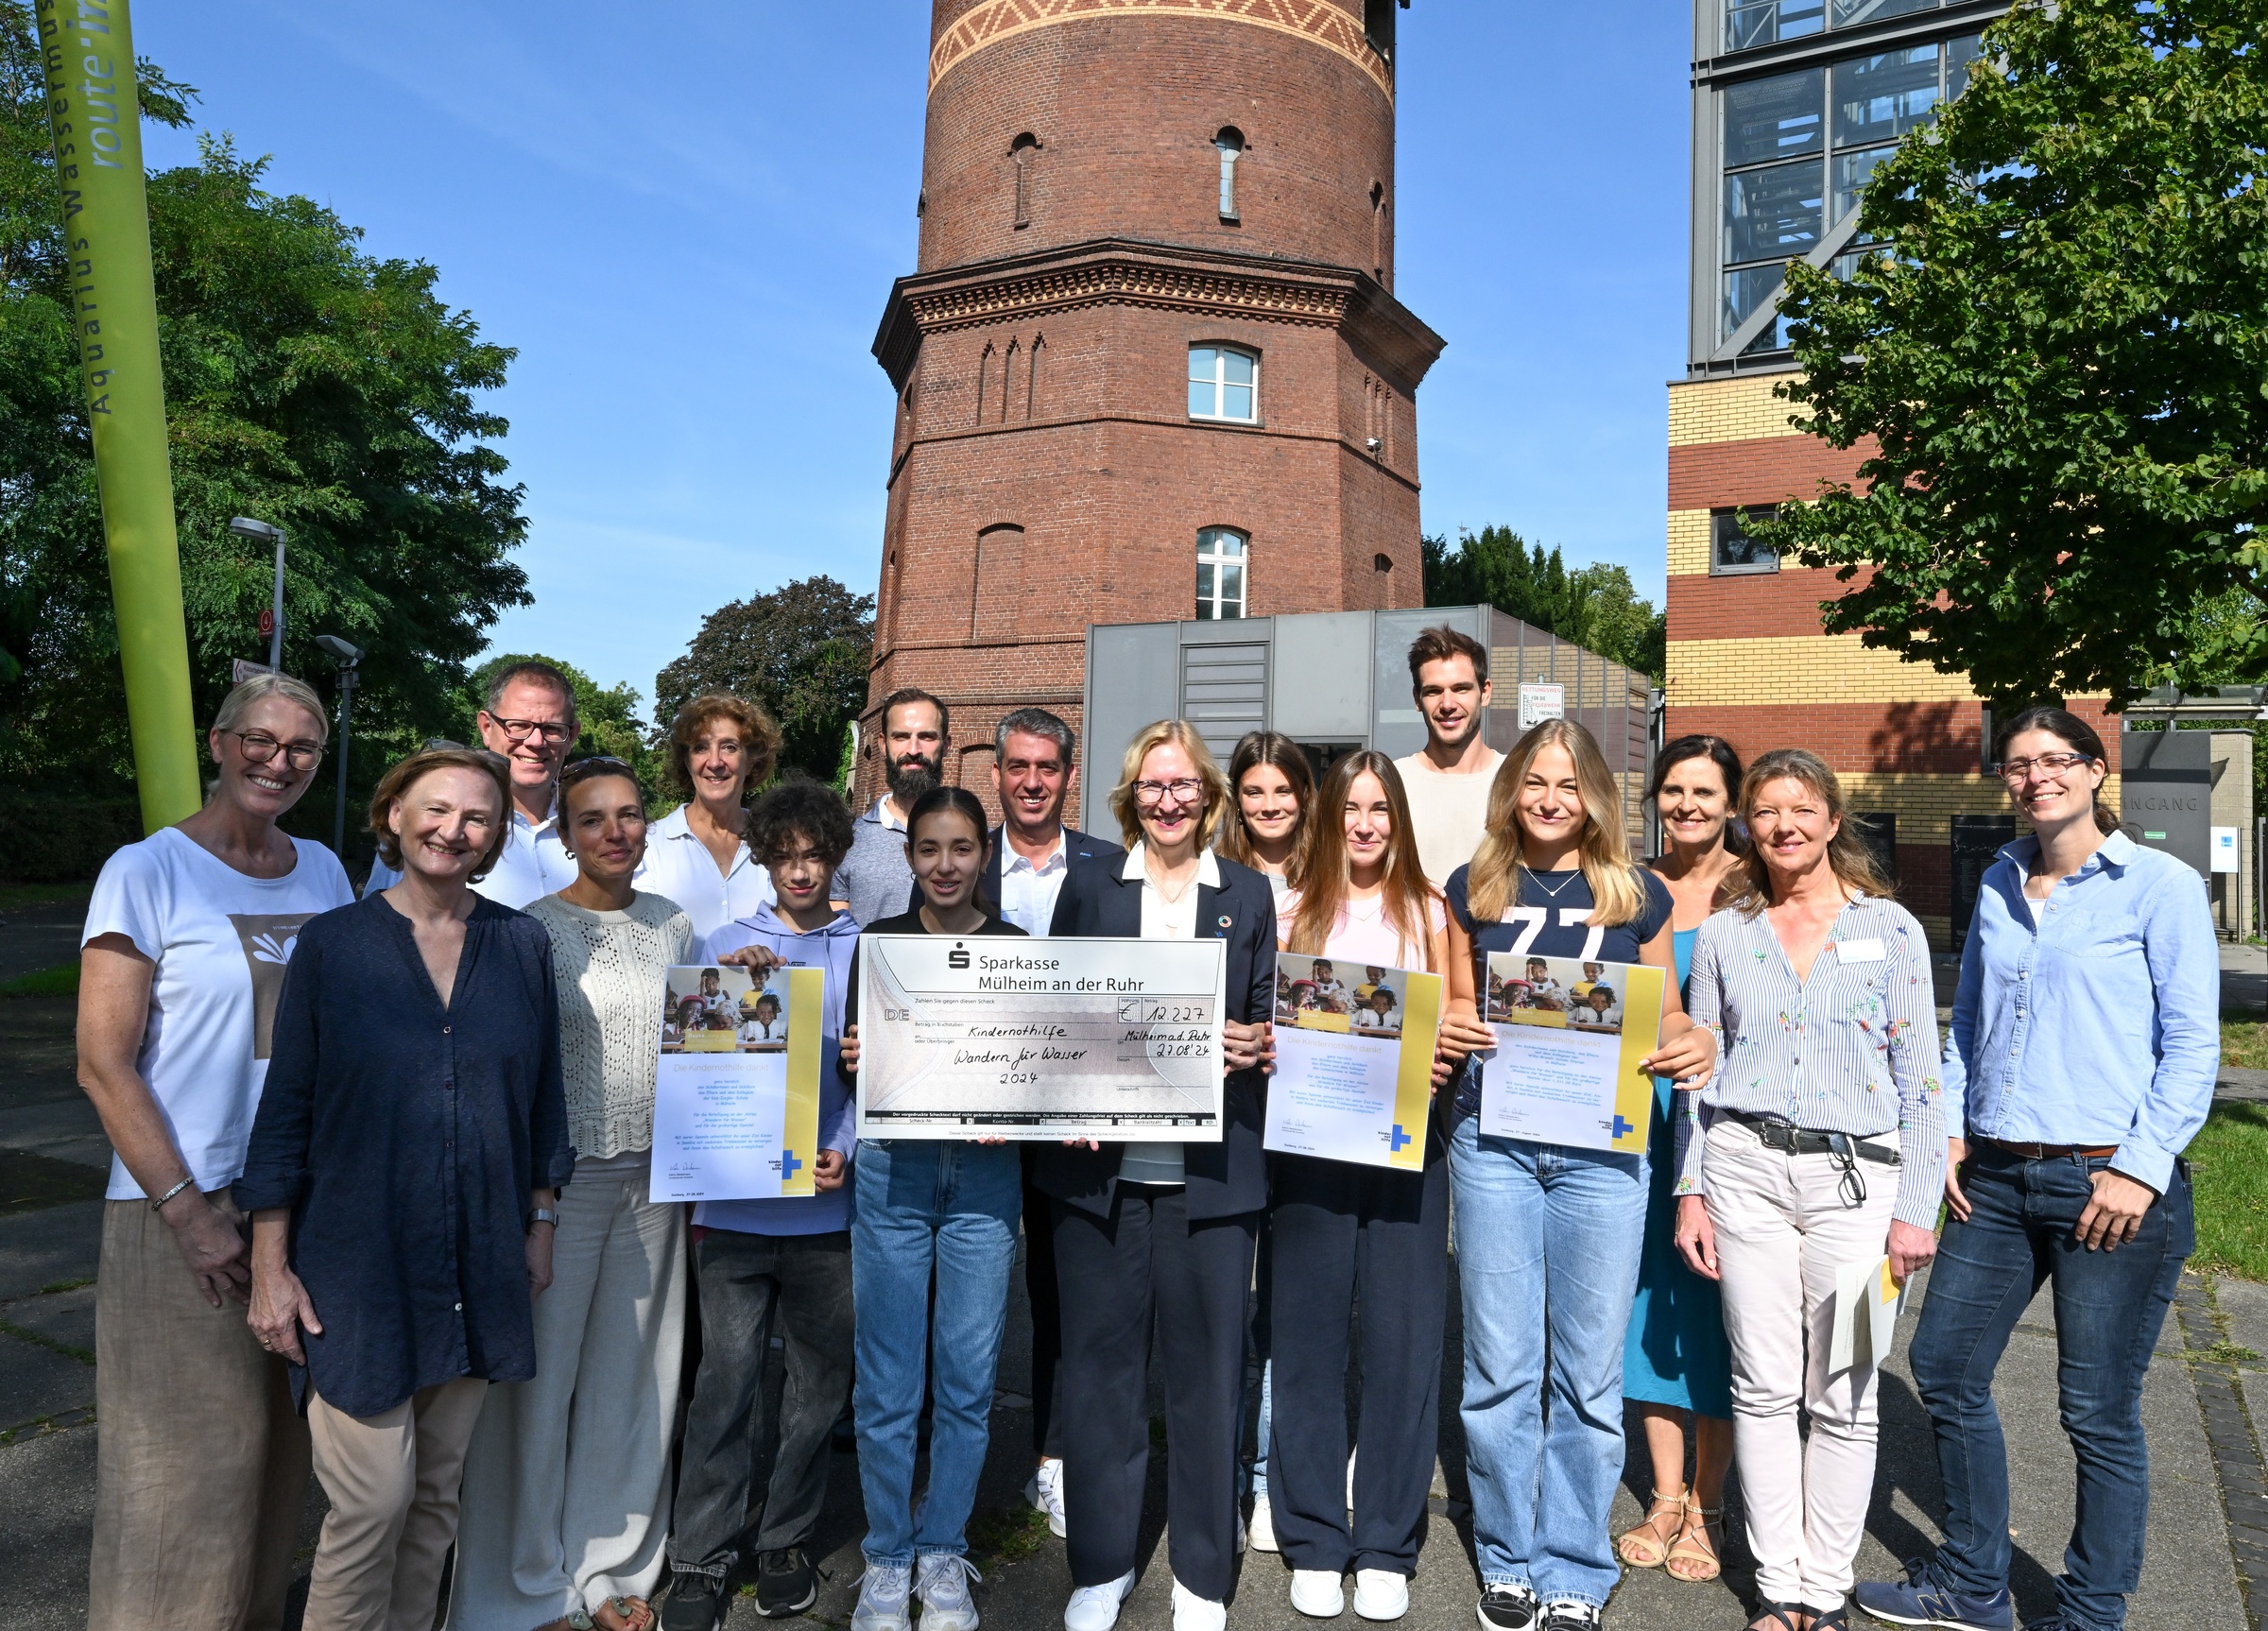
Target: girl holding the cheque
1346, 1231
1549, 1235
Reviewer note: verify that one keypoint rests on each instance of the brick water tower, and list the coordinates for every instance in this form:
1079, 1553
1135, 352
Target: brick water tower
1151, 367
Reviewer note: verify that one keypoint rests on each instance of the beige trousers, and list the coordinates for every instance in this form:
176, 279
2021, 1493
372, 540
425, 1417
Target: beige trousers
1783, 1230
566, 1499
201, 1463
392, 1480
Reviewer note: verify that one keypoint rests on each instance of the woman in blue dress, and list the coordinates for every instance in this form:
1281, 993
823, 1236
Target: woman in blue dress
1676, 1365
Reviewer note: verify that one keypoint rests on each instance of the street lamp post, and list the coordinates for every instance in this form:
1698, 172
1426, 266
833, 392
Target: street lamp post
348, 657
245, 526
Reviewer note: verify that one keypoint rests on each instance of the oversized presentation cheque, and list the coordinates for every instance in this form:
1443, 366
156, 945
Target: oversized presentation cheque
1003, 1037
1570, 1035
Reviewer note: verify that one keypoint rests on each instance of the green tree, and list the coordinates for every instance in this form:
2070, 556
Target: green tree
802, 652
2061, 369
307, 384
1597, 606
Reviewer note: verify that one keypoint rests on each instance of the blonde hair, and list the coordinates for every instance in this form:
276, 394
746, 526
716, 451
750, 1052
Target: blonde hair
241, 699
1750, 887
1618, 894
395, 785
1323, 883
1182, 734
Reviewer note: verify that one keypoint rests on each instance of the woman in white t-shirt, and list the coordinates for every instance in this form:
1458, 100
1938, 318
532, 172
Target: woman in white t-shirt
721, 746
1342, 1231
202, 1464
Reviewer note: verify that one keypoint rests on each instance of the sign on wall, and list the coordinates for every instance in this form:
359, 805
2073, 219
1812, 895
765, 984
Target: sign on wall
1540, 702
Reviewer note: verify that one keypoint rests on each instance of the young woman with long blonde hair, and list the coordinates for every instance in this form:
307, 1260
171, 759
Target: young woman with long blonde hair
1549, 1235
1349, 1232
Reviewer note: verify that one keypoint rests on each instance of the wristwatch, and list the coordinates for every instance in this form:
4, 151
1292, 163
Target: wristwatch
543, 1215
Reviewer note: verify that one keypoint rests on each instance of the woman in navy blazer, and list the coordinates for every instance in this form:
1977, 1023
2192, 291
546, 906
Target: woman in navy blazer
1163, 1234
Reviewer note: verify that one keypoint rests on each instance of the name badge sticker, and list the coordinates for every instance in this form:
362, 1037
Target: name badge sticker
1859, 951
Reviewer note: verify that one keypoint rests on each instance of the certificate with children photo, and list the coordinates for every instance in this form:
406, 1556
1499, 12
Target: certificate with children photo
736, 1093
1354, 1061
1570, 1035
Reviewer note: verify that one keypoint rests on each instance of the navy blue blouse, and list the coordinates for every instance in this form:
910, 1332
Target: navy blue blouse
404, 1137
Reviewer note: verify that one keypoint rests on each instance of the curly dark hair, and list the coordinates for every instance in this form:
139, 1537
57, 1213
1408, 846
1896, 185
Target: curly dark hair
758, 738
800, 809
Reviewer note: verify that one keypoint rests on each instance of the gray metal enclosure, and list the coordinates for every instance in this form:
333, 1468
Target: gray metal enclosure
1338, 680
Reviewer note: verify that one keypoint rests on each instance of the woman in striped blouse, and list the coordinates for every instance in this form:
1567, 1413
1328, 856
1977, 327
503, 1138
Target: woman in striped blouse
1817, 1145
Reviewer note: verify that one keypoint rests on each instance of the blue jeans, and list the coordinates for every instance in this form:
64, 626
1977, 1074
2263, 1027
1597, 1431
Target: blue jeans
2109, 1306
1547, 1241
923, 1205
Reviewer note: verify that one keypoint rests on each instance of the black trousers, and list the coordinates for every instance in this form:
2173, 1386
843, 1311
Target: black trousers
1047, 1314
1344, 1235
1148, 1267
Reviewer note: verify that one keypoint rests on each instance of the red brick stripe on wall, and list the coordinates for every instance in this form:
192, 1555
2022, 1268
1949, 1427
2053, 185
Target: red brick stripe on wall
1720, 474
1753, 606
1939, 738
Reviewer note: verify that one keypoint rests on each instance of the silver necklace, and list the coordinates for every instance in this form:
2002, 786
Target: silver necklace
1550, 893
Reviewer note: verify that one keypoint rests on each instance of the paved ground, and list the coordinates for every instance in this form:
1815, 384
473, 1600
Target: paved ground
2208, 1378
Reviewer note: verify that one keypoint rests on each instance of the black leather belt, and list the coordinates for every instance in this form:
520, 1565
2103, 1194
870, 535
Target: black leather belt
1777, 1133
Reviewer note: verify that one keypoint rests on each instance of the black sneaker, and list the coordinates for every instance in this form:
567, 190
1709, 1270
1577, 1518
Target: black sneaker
786, 1584
695, 1602
1570, 1614
1507, 1609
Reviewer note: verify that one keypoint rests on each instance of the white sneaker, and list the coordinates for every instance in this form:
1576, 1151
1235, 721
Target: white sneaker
1262, 1530
941, 1581
1317, 1593
1195, 1613
1095, 1607
1381, 1594
1045, 1494
882, 1599
1568, 1614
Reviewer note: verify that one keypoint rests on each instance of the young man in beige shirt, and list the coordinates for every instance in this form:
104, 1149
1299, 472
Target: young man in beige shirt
1448, 781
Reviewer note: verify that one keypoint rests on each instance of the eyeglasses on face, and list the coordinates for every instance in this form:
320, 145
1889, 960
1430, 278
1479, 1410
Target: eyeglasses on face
552, 732
258, 748
1149, 794
2045, 764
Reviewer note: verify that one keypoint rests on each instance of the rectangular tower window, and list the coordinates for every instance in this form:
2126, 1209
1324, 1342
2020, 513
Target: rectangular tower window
1731, 552
1223, 384
1221, 563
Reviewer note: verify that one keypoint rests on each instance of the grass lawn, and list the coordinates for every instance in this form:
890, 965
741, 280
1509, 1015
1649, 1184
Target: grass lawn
2230, 1161
61, 981
16, 897
2244, 1043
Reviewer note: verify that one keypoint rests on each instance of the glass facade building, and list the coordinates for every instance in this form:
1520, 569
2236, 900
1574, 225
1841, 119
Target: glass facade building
1795, 103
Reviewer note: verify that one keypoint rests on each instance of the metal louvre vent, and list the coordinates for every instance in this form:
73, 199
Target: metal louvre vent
1225, 693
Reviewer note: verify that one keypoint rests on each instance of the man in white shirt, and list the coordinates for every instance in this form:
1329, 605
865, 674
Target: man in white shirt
530, 721
1034, 766
1448, 781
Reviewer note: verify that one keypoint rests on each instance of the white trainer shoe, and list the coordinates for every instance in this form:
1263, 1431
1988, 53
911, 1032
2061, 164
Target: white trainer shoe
1045, 1494
1095, 1607
883, 1599
941, 1581
1262, 1530
1381, 1594
1195, 1613
1316, 1594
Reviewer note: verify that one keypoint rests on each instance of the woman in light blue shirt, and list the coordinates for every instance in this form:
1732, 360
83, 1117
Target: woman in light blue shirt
2085, 1047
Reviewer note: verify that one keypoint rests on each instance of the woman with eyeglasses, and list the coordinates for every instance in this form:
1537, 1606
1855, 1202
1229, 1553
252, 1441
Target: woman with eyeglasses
2085, 1049
1817, 1146
566, 1494
721, 749
203, 1462
1154, 1241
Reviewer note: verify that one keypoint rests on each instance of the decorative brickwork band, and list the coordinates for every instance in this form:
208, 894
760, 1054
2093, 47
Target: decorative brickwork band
1317, 22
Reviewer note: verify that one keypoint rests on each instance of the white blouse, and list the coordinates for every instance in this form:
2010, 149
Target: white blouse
680, 867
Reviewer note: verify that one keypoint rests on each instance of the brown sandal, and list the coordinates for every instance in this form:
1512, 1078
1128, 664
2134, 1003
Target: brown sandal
1646, 1536
1702, 1557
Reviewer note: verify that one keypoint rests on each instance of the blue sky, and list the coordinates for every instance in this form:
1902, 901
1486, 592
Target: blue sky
687, 217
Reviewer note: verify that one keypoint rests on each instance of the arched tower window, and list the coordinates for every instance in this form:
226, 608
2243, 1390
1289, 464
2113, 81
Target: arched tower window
1224, 384
1230, 145
1221, 562
1022, 151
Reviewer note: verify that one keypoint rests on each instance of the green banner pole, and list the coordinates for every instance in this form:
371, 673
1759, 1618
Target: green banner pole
86, 49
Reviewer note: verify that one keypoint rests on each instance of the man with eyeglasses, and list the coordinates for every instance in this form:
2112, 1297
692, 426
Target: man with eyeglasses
530, 721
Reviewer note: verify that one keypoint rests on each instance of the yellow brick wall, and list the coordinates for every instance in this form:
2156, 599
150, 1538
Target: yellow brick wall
1729, 410
1689, 541
1801, 668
